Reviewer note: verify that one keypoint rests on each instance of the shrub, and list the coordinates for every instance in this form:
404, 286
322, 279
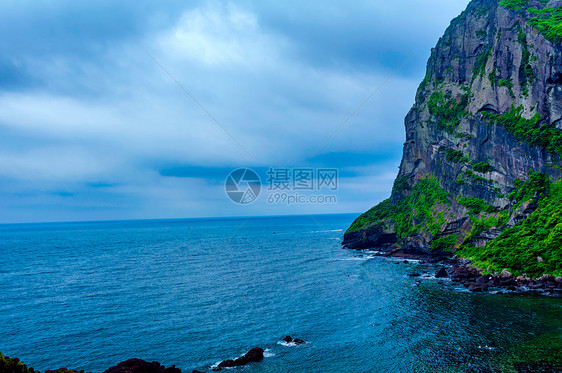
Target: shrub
410, 214
548, 22
475, 206
538, 184
483, 167
456, 156
444, 243
508, 84
401, 184
528, 130
13, 365
447, 111
519, 248
480, 65
514, 4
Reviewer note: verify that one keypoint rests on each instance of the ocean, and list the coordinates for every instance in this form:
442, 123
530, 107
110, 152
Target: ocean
191, 293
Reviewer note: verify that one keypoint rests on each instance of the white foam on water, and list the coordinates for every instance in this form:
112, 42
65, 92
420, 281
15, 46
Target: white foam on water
462, 290
215, 365
289, 344
356, 258
486, 347
429, 277
327, 230
268, 353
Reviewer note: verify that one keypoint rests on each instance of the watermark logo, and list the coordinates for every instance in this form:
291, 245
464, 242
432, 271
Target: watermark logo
288, 186
243, 186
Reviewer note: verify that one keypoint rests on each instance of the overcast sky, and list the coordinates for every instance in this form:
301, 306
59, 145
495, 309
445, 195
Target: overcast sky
92, 128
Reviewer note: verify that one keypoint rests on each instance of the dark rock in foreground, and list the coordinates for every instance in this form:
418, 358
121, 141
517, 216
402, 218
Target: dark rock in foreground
442, 273
13, 365
252, 356
141, 366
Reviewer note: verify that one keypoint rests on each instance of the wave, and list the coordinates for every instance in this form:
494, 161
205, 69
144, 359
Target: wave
356, 258
290, 344
325, 231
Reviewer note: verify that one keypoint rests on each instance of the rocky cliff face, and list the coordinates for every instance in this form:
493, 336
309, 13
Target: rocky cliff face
488, 113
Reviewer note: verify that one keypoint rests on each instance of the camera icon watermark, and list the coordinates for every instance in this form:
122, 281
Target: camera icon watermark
285, 185
243, 186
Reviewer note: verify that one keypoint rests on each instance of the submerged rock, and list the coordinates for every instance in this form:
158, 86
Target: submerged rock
252, 356
296, 341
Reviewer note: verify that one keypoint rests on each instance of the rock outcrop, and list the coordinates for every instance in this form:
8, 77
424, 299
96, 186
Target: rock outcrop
487, 114
138, 366
253, 356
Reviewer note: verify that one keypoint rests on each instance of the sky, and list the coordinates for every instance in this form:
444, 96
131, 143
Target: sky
140, 110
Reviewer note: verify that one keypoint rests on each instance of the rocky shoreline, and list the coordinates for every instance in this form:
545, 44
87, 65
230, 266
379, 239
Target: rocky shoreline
474, 279
460, 271
255, 355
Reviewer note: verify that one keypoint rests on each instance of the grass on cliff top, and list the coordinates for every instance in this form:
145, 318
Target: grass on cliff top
533, 246
518, 4
547, 21
410, 214
515, 4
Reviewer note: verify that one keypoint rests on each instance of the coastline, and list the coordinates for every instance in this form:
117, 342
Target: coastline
459, 270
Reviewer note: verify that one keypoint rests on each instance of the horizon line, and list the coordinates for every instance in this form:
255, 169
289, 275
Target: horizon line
174, 219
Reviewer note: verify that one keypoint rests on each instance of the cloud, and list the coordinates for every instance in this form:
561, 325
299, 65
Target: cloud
219, 36
90, 122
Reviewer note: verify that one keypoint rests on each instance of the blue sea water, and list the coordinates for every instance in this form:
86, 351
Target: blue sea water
193, 292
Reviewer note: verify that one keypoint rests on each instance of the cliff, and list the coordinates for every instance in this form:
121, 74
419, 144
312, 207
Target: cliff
483, 145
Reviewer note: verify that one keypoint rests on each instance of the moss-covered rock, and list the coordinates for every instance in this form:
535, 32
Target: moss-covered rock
13, 365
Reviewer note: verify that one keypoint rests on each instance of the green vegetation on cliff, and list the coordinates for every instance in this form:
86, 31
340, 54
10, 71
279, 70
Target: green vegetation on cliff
475, 206
464, 166
448, 111
483, 167
455, 156
533, 245
514, 4
547, 21
480, 66
536, 187
528, 130
444, 243
410, 214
